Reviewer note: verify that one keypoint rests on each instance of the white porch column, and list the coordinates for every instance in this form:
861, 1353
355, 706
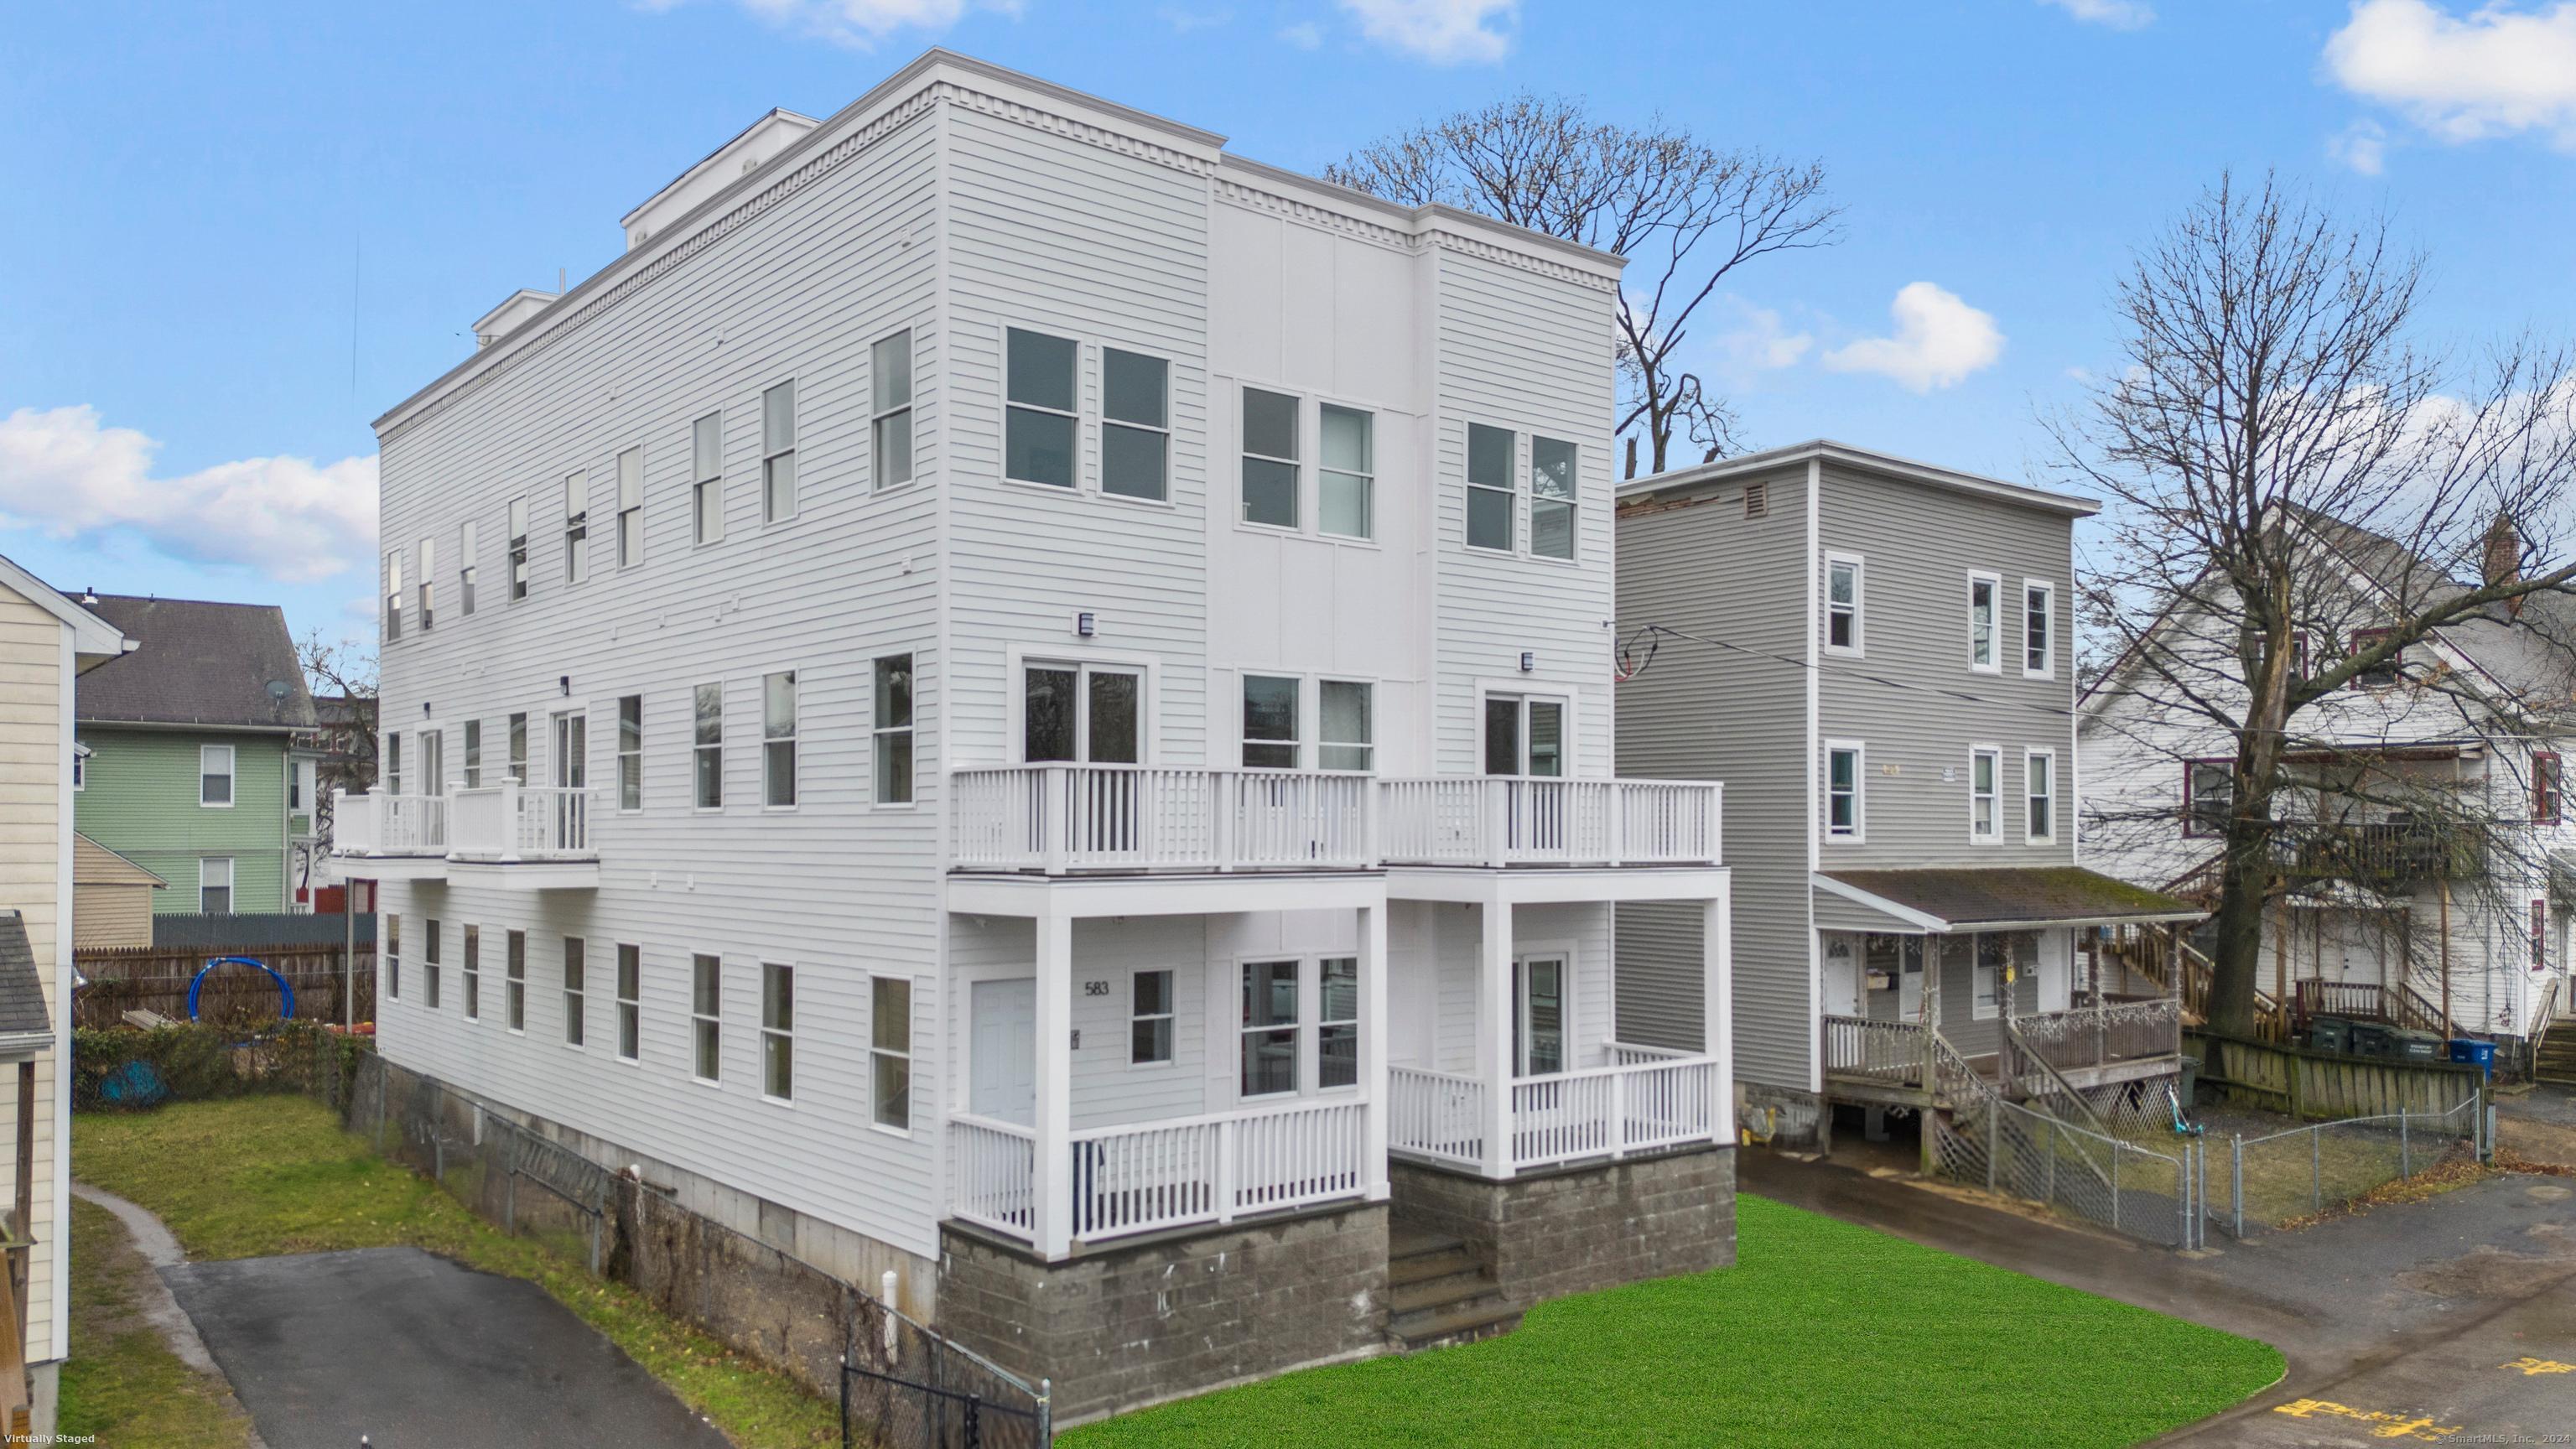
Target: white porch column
1494, 1032
1717, 999
1053, 1225
1373, 1029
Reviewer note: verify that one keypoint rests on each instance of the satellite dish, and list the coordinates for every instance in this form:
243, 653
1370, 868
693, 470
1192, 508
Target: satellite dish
277, 690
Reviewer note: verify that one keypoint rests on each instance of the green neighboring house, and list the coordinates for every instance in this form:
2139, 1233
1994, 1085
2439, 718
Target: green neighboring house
187, 749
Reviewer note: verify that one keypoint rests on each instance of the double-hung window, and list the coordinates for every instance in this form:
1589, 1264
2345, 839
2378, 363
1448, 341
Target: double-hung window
706, 749
890, 1051
2546, 787
576, 527
1039, 423
630, 1007
2038, 629
392, 950
630, 752
465, 556
1337, 1022
472, 966
518, 749
1524, 736
1843, 604
1346, 485
778, 453
1985, 790
215, 775
1149, 1018
777, 1031
1347, 738
1553, 480
518, 549
428, 581
429, 962
1984, 623
706, 1017
1270, 722
393, 762
1987, 982
393, 595
630, 508
706, 478
890, 393
2039, 781
1269, 458
572, 990
1135, 424
514, 979
2208, 797
1493, 486
1269, 1034
778, 740
215, 885
891, 744
1845, 807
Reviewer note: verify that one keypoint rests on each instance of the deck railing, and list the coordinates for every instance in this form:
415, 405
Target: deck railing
1647, 1100
515, 822
1438, 1115
1058, 818
992, 1172
379, 824
1892, 1053
2099, 1036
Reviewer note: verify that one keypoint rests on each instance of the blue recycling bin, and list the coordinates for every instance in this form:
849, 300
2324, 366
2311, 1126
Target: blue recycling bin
2479, 1054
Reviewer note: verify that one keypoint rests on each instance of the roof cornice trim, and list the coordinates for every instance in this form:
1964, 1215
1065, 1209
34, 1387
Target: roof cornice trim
1867, 460
90, 633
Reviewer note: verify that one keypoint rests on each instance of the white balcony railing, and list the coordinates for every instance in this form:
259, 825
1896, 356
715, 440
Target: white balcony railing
1059, 817
1651, 1099
1146, 1176
378, 824
513, 822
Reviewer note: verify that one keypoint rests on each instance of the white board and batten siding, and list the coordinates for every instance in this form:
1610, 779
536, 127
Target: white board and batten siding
959, 201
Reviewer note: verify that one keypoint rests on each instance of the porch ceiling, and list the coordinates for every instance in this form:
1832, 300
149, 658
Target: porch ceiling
1075, 897
1990, 899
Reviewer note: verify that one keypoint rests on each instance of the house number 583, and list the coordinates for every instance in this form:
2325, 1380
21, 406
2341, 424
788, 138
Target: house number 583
1095, 988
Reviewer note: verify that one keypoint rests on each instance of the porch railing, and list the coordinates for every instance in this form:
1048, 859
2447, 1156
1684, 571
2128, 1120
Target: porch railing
515, 822
1439, 1115
1065, 817
2099, 1036
379, 824
1144, 1176
1648, 1099
1892, 1053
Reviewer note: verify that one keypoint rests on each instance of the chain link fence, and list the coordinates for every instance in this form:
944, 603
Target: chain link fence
2281, 1177
2007, 1148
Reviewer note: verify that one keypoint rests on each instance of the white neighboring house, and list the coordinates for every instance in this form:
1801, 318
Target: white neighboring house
45, 642
1008, 691
2424, 840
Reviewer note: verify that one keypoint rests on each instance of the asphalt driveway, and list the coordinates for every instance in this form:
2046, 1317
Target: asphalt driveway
410, 1349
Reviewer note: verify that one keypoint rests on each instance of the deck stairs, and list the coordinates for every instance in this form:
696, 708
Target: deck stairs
1438, 1293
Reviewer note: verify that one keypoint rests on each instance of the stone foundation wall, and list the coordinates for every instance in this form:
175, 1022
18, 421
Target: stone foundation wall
1577, 1229
1130, 1324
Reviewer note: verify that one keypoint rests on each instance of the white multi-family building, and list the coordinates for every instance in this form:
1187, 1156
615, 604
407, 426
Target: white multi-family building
1012, 697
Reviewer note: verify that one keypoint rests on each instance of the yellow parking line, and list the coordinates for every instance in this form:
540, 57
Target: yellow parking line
2530, 1366
2383, 1425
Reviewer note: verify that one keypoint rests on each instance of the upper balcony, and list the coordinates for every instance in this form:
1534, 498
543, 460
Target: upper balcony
525, 837
1069, 819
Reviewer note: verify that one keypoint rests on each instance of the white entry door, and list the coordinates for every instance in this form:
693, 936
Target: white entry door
1004, 1051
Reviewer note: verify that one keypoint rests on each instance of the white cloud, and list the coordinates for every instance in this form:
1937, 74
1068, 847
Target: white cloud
64, 474
2363, 146
1939, 340
2117, 14
2492, 72
1305, 34
1184, 21
1759, 342
858, 23
1445, 32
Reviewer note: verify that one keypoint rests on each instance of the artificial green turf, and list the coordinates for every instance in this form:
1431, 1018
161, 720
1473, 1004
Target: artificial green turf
261, 1175
1822, 1334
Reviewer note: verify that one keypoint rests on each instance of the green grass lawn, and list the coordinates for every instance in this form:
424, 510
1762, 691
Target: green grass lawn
123, 1386
1823, 1333
264, 1175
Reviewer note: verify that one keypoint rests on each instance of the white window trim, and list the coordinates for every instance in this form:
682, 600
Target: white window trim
796, 428
520, 980
564, 994
1099, 482
2047, 670
80, 769
1995, 664
696, 1017
618, 754
912, 395
469, 967
1860, 793
1304, 489
796, 738
232, 874
1315, 685
1020, 658
1082, 483
1859, 647
469, 542
697, 537
1529, 507
1977, 752
911, 1053
1520, 465
617, 466
877, 732
518, 550
619, 1003
1527, 689
576, 488
1171, 1013
695, 748
1523, 953
2054, 792
231, 773
763, 1031
1231, 1063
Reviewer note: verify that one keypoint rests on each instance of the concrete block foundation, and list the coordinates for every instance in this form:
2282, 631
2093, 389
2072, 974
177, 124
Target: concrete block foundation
1575, 1229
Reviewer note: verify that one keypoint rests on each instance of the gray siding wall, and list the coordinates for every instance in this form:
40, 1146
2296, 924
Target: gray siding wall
1706, 713
1918, 546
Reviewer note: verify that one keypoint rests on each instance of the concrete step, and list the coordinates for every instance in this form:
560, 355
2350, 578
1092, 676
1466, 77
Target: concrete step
1426, 1267
1404, 1242
1414, 1332
1447, 1293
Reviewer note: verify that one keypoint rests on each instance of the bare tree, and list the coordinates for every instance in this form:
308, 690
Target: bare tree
1686, 214
342, 679
2299, 495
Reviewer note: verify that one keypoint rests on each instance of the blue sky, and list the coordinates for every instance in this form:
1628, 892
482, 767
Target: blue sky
237, 232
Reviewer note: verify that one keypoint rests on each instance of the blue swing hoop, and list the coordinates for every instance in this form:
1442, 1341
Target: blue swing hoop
284, 990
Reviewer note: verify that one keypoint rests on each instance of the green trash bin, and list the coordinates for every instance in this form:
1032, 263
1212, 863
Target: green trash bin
2370, 1039
2330, 1034
2190, 1082
2418, 1046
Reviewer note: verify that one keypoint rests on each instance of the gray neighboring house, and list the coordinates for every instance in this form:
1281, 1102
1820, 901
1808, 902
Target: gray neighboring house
1875, 656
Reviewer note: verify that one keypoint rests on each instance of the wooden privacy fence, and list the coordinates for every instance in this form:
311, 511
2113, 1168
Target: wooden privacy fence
2306, 1083
155, 978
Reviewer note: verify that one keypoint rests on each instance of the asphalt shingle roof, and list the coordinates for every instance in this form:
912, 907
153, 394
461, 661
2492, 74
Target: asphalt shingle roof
197, 663
2014, 895
22, 991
